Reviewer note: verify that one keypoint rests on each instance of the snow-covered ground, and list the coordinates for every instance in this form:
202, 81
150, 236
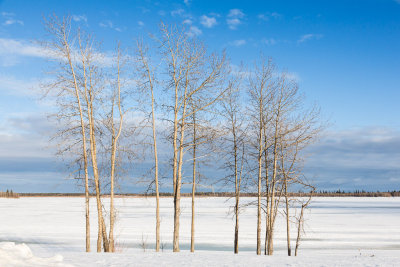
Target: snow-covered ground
339, 232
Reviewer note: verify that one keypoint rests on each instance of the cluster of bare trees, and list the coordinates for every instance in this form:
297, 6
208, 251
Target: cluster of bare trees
253, 120
266, 131
89, 101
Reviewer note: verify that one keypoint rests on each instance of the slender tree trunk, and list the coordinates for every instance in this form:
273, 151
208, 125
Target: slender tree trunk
175, 174
272, 202
149, 76
114, 146
193, 212
267, 229
299, 226
156, 174
236, 243
259, 184
177, 210
237, 192
259, 204
89, 104
175, 145
84, 150
101, 224
106, 244
177, 200
289, 250
267, 214
87, 199
112, 212
193, 183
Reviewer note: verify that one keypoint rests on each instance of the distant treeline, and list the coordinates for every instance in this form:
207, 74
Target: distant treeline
338, 193
9, 194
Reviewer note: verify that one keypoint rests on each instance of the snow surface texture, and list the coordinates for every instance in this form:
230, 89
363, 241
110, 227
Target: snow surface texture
339, 232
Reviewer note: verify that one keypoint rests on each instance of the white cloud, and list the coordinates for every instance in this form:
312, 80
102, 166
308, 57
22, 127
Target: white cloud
194, 31
177, 12
293, 76
234, 18
106, 24
233, 23
238, 42
10, 19
7, 14
310, 36
270, 41
17, 87
109, 24
13, 21
140, 23
276, 15
263, 17
237, 13
187, 2
239, 71
12, 47
11, 50
208, 22
268, 16
368, 147
187, 21
78, 18
161, 13
144, 9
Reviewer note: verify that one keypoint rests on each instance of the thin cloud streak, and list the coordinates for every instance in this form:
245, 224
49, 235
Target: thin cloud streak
310, 36
12, 49
109, 24
79, 18
238, 43
268, 16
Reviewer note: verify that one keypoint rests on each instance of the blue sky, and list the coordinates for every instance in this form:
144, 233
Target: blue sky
344, 54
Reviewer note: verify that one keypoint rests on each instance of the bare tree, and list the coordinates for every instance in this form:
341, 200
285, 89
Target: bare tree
195, 143
148, 81
202, 135
284, 102
191, 74
115, 135
234, 146
292, 128
300, 217
68, 93
261, 92
80, 89
298, 133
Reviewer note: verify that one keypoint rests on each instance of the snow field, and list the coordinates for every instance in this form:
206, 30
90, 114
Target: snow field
339, 232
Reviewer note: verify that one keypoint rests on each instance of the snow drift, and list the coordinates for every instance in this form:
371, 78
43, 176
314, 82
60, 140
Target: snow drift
20, 255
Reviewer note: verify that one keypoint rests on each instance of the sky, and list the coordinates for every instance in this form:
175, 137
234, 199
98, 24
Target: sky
345, 55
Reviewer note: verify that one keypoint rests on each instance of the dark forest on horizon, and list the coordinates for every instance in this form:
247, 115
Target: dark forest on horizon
322, 193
